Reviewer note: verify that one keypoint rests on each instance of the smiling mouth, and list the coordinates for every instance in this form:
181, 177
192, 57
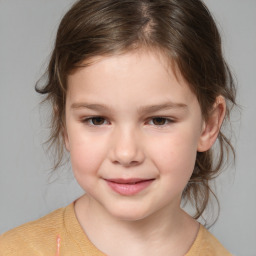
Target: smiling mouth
128, 187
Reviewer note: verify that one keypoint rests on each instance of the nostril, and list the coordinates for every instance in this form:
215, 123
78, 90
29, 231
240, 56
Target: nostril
126, 164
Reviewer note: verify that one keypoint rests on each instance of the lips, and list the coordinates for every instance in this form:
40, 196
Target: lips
128, 187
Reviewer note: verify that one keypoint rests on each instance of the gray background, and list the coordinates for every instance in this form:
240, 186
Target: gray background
27, 192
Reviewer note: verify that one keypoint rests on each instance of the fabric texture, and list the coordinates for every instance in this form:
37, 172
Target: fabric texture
60, 234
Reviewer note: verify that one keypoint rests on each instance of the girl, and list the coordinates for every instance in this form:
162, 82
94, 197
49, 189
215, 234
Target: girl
139, 91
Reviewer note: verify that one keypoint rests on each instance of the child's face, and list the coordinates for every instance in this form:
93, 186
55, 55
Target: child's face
133, 132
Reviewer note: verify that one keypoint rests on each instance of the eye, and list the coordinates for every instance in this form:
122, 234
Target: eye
95, 121
160, 121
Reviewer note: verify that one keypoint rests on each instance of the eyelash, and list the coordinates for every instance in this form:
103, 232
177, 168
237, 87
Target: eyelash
89, 121
165, 119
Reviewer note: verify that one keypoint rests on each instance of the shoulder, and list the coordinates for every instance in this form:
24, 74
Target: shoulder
207, 245
22, 239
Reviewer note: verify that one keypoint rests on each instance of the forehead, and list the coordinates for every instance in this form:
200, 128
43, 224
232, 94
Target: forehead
135, 54
132, 73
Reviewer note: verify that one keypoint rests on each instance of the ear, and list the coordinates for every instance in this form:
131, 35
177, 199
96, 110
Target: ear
212, 125
65, 138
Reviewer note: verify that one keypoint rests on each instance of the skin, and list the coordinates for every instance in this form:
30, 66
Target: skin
148, 126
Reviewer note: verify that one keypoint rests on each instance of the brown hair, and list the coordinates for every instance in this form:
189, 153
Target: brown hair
183, 30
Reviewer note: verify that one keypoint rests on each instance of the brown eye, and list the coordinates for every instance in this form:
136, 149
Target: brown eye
97, 121
159, 121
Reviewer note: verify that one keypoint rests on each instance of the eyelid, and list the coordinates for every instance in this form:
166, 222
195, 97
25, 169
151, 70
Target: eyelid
168, 120
87, 120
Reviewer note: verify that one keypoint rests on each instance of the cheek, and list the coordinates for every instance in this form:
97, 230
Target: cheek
176, 154
86, 154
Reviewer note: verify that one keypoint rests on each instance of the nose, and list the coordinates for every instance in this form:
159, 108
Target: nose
127, 148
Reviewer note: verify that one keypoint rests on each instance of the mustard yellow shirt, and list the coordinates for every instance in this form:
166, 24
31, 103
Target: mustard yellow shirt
60, 234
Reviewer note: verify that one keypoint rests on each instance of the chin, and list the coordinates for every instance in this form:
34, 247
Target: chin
129, 214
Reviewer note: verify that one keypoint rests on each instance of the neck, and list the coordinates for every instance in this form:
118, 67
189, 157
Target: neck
160, 233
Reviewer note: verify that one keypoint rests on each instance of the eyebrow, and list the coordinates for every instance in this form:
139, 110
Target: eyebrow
165, 106
98, 107
144, 109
